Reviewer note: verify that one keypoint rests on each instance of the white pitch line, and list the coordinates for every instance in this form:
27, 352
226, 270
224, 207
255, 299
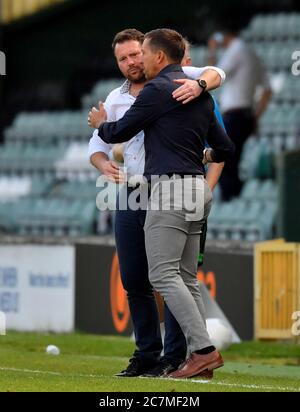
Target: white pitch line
241, 385
50, 373
30, 371
198, 381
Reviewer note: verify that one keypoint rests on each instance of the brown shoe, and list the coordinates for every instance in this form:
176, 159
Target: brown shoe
197, 365
205, 375
202, 375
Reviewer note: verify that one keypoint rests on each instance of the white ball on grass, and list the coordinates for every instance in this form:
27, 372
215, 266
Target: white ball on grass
52, 350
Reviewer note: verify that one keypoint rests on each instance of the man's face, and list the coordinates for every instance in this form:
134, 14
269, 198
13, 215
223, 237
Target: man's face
130, 60
151, 67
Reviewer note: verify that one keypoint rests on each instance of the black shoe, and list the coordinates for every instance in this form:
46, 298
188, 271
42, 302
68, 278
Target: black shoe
163, 368
135, 368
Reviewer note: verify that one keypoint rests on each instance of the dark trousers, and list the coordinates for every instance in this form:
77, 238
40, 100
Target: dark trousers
240, 124
130, 242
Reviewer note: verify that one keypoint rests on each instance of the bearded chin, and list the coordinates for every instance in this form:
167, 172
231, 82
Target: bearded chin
137, 80
142, 79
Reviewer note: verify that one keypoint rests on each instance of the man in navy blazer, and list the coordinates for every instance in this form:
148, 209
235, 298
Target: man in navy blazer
175, 136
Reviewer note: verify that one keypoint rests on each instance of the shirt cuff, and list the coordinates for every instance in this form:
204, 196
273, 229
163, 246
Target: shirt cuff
219, 71
96, 145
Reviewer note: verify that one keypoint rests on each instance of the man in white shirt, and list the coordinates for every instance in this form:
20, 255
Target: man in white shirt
129, 228
245, 74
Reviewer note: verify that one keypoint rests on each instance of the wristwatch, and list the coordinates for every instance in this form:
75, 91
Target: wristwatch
202, 84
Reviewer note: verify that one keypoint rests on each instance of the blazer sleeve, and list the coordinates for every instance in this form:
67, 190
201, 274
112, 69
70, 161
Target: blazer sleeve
219, 141
146, 109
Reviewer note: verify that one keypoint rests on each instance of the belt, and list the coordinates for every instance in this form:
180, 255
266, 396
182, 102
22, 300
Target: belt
132, 187
136, 184
183, 175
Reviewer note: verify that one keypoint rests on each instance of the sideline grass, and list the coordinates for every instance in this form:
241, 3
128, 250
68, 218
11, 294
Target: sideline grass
88, 363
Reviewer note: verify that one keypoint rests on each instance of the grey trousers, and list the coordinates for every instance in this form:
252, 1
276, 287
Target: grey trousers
172, 244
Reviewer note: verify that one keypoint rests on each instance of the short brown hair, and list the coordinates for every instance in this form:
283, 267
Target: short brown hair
169, 41
126, 35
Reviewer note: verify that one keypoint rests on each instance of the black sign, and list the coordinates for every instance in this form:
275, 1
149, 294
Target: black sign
101, 303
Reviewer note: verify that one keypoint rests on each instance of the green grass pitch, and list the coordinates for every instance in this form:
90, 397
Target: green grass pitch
88, 363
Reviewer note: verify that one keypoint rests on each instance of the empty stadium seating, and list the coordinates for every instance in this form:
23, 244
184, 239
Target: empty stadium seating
252, 217
47, 186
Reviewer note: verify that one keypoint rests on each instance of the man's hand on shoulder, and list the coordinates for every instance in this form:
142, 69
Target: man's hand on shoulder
188, 91
97, 117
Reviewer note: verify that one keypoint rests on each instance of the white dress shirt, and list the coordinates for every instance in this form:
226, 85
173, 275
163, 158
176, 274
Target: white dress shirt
245, 72
116, 105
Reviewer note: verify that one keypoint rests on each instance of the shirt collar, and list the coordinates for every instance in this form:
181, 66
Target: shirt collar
125, 87
170, 68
